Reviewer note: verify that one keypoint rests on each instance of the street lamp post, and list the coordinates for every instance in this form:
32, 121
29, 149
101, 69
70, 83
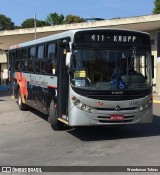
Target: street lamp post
35, 32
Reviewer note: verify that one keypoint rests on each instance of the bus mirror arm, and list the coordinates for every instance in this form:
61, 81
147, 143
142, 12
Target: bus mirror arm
68, 59
152, 61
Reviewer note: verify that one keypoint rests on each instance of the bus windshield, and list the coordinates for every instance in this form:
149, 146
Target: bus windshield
101, 69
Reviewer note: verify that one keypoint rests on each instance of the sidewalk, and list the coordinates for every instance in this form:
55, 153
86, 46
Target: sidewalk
156, 98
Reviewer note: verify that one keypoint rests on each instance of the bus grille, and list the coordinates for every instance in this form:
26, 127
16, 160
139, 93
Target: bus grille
113, 109
114, 97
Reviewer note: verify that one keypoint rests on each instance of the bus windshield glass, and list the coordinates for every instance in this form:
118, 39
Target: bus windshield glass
101, 69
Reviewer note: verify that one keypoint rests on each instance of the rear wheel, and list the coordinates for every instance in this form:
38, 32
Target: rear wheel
21, 105
53, 117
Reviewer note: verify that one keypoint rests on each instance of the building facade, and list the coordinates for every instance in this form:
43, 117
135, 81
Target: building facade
149, 23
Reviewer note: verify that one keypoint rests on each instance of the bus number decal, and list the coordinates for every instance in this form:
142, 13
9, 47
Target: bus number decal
99, 38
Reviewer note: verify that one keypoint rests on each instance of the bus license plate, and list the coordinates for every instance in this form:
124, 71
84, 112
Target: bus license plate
117, 117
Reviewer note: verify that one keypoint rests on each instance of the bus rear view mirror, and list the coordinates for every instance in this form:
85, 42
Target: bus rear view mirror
152, 62
68, 59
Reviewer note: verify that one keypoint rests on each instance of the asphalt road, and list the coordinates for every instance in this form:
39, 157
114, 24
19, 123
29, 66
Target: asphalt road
27, 139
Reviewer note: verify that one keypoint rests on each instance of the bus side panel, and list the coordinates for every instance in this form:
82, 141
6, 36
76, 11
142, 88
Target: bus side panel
37, 91
22, 84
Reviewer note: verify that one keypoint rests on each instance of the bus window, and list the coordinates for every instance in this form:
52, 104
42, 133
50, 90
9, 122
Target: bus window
24, 60
51, 62
42, 66
30, 66
32, 55
18, 61
39, 62
24, 65
37, 66
40, 52
32, 52
24, 53
18, 55
51, 51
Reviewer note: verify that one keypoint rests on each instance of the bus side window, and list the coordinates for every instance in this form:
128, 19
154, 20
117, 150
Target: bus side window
18, 61
32, 54
39, 59
30, 66
24, 60
51, 61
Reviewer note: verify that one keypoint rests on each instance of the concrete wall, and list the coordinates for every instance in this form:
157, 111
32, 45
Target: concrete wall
3, 57
154, 52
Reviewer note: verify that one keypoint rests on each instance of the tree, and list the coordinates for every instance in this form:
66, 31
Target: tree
29, 23
156, 10
6, 23
55, 19
73, 19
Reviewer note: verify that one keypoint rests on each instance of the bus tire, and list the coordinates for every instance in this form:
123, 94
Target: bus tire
53, 117
21, 105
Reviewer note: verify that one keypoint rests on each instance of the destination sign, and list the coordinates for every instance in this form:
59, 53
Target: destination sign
113, 38
108, 37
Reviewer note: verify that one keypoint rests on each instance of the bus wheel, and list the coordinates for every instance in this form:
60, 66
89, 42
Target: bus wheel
21, 105
56, 125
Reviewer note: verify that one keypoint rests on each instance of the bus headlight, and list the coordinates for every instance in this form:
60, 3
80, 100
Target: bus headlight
83, 106
145, 106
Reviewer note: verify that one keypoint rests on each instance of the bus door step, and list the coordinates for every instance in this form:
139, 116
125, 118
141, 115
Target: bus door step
63, 121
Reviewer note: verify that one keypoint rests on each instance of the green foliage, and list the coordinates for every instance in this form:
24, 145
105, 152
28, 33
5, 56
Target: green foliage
41, 23
52, 19
6, 23
73, 19
29, 23
156, 10
55, 19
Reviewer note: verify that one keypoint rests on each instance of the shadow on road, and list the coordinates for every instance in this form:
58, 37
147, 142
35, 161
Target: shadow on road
95, 133
2, 100
38, 114
117, 132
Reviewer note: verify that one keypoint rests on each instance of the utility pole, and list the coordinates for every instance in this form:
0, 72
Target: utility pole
35, 32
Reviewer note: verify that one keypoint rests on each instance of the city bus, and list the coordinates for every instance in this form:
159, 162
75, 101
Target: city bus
85, 77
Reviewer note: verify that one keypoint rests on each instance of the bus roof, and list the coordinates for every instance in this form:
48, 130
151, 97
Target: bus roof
69, 33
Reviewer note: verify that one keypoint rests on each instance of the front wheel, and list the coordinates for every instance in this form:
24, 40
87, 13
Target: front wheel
21, 105
53, 117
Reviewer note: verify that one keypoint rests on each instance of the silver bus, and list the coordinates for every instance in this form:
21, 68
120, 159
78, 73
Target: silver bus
85, 77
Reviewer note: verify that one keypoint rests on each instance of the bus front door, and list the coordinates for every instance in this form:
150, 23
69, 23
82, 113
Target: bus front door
63, 83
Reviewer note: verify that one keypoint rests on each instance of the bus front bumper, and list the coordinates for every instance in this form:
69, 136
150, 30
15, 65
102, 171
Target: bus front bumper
78, 117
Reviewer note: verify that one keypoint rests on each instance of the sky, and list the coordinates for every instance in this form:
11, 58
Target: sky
20, 10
